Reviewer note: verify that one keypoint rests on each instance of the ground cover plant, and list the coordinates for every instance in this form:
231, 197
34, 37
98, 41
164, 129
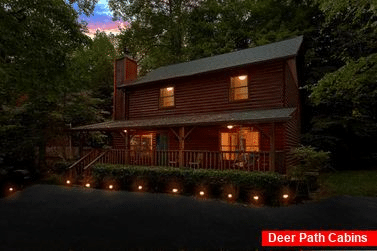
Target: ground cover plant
231, 185
353, 183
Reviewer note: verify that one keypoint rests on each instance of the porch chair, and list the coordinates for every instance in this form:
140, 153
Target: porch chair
246, 161
173, 162
198, 161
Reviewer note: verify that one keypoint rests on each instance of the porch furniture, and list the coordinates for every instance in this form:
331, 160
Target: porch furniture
173, 162
198, 161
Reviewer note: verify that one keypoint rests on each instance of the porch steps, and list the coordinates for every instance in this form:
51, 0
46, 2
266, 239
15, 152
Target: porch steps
87, 167
78, 169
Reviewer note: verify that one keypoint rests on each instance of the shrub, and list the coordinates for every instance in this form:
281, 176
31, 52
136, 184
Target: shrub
304, 174
309, 160
161, 178
61, 167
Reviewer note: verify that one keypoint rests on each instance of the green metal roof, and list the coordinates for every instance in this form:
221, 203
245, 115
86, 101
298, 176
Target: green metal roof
282, 49
255, 116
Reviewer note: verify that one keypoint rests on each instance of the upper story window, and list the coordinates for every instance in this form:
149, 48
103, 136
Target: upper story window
167, 97
239, 88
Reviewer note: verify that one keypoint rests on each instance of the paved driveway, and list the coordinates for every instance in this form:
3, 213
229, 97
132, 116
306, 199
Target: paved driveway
45, 217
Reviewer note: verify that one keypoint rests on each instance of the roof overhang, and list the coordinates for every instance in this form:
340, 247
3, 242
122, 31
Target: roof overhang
243, 117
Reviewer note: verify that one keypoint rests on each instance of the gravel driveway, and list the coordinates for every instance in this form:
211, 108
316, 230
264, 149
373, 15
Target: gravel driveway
46, 217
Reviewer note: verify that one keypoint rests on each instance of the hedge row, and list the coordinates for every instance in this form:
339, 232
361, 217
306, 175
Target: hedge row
161, 179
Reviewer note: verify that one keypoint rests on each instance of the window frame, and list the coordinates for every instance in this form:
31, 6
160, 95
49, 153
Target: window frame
161, 98
232, 89
229, 151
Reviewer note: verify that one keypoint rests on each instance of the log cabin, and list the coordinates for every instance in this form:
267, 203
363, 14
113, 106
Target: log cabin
239, 110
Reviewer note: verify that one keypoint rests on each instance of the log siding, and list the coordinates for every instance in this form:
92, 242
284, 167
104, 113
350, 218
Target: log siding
209, 93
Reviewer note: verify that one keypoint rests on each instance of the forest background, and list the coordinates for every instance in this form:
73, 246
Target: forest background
53, 76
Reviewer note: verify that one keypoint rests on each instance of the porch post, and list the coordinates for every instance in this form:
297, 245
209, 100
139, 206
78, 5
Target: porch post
272, 148
81, 145
127, 142
181, 145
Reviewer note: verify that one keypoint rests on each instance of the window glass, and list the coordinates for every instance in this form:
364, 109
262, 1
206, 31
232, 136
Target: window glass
245, 140
167, 97
141, 142
239, 87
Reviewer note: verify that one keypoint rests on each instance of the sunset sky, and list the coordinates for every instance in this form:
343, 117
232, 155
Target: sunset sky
102, 20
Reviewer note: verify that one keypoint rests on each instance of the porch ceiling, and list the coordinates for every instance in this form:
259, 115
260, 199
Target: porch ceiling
256, 116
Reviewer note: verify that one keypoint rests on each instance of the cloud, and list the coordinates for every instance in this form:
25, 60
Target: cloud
102, 20
102, 9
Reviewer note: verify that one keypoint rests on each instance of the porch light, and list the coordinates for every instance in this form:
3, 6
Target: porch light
230, 196
230, 126
175, 190
201, 193
87, 185
140, 187
243, 77
125, 131
256, 197
11, 189
68, 182
111, 186
285, 196
169, 89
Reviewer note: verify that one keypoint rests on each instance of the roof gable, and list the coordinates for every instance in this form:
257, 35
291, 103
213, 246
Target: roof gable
254, 55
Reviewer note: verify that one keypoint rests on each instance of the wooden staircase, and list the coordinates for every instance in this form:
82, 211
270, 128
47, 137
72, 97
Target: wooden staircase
82, 168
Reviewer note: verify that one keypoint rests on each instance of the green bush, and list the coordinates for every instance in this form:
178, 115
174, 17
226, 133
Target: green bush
309, 160
159, 178
61, 167
53, 179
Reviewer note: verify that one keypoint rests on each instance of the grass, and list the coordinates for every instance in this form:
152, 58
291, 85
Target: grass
354, 183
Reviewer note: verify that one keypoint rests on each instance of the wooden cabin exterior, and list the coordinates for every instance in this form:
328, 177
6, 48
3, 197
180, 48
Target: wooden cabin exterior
239, 110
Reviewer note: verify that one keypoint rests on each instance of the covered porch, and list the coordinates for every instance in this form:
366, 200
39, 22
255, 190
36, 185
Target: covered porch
250, 141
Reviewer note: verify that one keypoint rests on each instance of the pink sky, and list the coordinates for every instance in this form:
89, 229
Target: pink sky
102, 20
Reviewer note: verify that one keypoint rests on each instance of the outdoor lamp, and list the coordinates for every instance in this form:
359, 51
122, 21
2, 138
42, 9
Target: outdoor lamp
243, 77
201, 193
175, 190
230, 195
230, 126
87, 185
256, 197
285, 196
140, 187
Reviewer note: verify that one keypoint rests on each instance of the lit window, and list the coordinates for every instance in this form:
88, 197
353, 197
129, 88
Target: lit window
250, 140
141, 143
167, 97
229, 142
245, 141
239, 88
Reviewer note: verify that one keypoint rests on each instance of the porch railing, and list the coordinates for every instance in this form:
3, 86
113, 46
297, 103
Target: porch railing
224, 160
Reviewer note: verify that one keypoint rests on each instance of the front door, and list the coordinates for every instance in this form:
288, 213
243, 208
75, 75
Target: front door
162, 148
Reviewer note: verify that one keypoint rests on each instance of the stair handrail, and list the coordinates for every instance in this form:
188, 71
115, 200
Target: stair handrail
81, 159
95, 160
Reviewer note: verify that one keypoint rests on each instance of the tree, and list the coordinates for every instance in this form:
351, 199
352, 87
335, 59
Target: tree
168, 31
217, 27
339, 79
37, 40
93, 67
346, 101
157, 30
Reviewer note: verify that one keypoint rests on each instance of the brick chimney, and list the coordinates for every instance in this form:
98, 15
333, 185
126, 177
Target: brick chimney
125, 70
